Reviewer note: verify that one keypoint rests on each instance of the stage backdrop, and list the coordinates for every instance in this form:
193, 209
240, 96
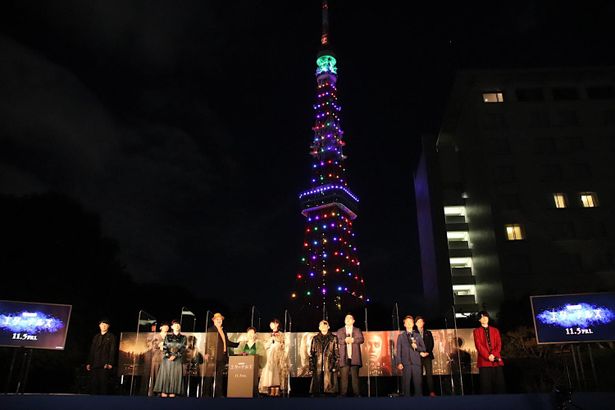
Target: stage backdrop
378, 352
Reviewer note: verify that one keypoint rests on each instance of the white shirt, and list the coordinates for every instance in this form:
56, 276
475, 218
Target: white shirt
349, 345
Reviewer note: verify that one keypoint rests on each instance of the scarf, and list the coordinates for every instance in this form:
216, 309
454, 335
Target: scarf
221, 333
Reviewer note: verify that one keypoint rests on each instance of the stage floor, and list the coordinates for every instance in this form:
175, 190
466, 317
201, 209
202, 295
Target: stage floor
584, 401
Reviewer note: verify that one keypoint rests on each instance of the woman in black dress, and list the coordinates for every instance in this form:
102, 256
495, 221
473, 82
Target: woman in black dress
170, 381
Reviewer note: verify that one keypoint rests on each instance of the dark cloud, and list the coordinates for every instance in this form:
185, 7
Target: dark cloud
142, 178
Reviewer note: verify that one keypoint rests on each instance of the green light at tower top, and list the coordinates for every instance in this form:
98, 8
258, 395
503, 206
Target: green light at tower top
326, 64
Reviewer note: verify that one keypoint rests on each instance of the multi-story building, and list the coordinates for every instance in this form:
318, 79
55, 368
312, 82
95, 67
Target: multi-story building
516, 195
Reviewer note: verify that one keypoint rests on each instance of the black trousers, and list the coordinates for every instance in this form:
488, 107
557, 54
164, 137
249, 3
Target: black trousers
100, 381
428, 366
220, 390
215, 381
491, 380
354, 375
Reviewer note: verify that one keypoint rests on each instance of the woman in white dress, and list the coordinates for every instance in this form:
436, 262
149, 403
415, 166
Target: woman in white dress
274, 376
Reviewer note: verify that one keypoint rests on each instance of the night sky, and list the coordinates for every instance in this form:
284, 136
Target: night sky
186, 125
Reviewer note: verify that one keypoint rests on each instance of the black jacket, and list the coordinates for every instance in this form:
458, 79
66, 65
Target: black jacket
429, 343
102, 350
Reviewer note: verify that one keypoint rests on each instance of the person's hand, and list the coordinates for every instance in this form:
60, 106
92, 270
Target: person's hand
491, 358
349, 340
171, 358
400, 366
424, 354
88, 367
108, 366
414, 346
206, 356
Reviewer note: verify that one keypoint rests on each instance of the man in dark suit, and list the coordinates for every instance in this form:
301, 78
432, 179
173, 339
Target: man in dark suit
427, 355
409, 346
217, 352
490, 365
349, 339
101, 358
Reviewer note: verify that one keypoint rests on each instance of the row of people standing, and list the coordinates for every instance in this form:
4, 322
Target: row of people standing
336, 353
169, 380
331, 355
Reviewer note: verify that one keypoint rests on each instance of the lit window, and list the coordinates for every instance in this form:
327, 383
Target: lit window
455, 236
493, 97
454, 210
460, 290
514, 232
589, 200
457, 263
560, 200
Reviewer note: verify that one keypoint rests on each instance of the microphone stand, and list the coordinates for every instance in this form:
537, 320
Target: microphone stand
187, 312
395, 319
287, 317
457, 349
449, 359
213, 391
254, 310
369, 384
134, 357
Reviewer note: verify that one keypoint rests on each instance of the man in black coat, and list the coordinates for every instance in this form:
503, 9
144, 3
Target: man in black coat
101, 358
217, 353
426, 356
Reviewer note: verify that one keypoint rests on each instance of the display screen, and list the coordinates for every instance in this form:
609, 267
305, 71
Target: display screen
33, 325
575, 318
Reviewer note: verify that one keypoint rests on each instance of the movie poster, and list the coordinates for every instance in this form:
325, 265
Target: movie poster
452, 354
377, 352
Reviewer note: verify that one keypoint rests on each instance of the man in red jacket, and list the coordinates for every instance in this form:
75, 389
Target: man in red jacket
490, 365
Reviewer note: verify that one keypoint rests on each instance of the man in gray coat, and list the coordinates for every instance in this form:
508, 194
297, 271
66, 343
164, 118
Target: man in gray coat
349, 339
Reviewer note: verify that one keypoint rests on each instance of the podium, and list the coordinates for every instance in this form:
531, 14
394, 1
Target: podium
242, 376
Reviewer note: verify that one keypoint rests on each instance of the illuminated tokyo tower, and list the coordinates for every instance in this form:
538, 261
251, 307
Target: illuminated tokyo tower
329, 278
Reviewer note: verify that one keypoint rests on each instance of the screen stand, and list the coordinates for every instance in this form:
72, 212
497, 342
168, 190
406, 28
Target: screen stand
24, 370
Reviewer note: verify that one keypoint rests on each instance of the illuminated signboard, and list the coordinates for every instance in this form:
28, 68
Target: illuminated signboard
33, 325
574, 318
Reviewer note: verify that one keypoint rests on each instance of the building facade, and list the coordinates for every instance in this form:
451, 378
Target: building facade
516, 194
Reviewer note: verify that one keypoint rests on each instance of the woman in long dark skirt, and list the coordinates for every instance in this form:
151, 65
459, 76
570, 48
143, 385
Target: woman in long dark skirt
170, 381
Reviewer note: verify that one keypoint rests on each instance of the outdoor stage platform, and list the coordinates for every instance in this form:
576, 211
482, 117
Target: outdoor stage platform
583, 401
